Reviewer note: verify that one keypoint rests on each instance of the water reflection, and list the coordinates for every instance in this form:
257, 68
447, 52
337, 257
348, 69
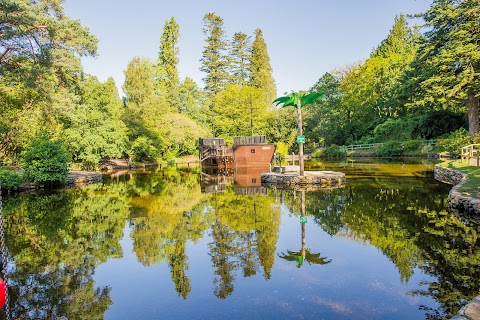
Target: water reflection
58, 241
304, 254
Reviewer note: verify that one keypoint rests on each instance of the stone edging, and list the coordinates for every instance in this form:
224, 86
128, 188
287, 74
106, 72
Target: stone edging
312, 178
466, 204
470, 311
456, 199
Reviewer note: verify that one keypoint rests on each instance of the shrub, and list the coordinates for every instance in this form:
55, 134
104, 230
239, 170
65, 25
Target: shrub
412, 145
10, 179
393, 129
317, 153
281, 151
454, 142
333, 151
45, 162
391, 149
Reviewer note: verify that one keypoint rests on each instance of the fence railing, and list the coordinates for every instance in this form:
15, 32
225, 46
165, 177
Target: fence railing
471, 153
368, 146
354, 147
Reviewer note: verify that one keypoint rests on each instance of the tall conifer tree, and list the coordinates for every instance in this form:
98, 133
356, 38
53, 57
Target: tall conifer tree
167, 74
239, 58
214, 60
451, 55
260, 68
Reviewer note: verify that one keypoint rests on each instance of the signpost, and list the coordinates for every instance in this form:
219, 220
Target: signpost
300, 139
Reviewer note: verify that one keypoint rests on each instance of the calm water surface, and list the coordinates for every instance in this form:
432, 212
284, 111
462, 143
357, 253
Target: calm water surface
167, 244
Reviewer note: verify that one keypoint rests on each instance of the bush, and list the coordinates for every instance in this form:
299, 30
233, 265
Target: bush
393, 129
45, 162
391, 149
412, 145
333, 151
10, 179
454, 142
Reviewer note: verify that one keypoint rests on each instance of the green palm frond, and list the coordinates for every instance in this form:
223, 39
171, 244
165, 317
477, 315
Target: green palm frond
292, 99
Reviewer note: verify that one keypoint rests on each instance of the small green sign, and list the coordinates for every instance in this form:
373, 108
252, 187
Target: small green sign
303, 220
301, 139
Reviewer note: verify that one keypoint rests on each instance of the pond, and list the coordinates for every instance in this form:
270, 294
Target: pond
177, 244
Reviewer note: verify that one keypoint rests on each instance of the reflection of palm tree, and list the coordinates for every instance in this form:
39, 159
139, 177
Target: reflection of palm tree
304, 254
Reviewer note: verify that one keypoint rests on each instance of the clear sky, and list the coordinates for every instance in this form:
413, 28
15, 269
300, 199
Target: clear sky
305, 38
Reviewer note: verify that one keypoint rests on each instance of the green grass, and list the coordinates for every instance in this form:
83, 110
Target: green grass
472, 185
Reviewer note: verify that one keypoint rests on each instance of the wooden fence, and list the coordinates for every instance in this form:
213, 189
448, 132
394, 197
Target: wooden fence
369, 146
471, 153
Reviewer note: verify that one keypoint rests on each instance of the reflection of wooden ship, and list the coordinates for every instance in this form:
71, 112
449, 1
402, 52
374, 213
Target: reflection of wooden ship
214, 153
251, 151
248, 180
213, 181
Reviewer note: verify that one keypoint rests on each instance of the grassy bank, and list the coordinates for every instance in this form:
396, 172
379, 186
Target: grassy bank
472, 186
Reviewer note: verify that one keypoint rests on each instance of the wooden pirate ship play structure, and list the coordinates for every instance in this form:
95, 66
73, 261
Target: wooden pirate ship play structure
252, 151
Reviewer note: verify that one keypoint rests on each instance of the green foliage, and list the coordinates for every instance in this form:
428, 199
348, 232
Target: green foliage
332, 151
294, 99
260, 70
10, 179
142, 149
235, 108
391, 149
214, 59
454, 142
45, 161
40, 67
239, 57
180, 134
139, 81
94, 129
412, 145
448, 63
167, 81
393, 129
322, 120
436, 123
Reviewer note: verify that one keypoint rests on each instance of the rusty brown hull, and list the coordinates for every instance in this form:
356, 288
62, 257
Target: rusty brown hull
260, 155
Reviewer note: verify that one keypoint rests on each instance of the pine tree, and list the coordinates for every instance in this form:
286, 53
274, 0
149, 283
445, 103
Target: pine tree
167, 74
239, 58
260, 68
214, 60
451, 56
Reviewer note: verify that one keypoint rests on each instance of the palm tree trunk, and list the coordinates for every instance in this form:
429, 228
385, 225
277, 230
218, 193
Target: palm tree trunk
300, 133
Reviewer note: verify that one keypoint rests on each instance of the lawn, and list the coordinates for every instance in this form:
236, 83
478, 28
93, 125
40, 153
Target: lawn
472, 185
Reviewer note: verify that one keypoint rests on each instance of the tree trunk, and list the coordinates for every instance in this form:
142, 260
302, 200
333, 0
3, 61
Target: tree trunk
300, 133
473, 122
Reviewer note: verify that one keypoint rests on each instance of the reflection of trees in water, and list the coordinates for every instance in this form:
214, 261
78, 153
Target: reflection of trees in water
409, 224
165, 216
55, 242
244, 234
452, 249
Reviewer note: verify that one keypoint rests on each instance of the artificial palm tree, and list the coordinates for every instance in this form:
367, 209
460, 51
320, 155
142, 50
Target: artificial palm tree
299, 101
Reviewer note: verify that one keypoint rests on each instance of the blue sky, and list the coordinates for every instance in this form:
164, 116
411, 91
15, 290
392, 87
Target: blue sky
305, 38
